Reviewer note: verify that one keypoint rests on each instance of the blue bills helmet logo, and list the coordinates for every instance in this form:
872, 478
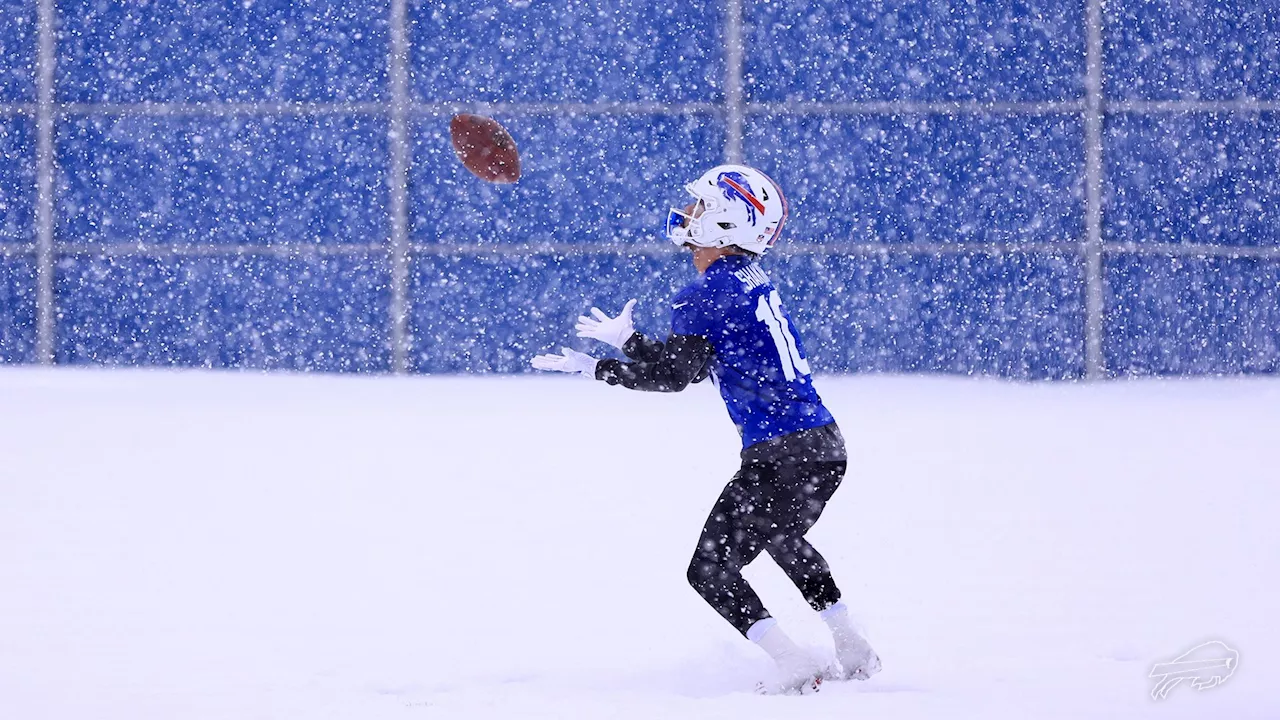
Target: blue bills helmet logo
735, 187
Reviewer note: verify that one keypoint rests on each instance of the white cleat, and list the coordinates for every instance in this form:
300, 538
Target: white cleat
857, 660
798, 671
858, 663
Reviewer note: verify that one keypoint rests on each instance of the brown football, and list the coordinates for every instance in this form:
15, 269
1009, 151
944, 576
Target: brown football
485, 148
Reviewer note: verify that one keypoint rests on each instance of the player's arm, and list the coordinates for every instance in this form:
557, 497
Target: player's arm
682, 359
656, 366
642, 349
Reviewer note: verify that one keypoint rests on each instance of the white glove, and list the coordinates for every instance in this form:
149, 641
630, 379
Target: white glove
615, 331
570, 361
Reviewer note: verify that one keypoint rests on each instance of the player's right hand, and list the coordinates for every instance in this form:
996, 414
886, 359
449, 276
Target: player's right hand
569, 361
615, 331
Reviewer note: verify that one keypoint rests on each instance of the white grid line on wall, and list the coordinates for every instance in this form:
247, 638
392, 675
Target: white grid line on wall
734, 105
45, 250
877, 107
464, 247
398, 187
1091, 247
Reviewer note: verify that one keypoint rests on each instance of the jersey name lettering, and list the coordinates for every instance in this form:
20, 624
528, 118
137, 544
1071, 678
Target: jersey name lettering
751, 276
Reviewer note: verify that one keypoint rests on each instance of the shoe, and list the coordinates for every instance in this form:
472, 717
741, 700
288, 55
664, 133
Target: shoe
798, 671
857, 660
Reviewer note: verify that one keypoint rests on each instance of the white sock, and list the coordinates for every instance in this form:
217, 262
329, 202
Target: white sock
759, 628
774, 641
836, 613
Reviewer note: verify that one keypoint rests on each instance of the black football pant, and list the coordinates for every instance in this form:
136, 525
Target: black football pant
766, 506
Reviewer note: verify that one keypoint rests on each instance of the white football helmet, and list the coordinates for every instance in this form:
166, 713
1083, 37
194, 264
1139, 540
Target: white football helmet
733, 205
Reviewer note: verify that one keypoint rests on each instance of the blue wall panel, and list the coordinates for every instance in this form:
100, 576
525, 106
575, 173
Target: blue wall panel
1180, 50
1193, 179
925, 178
327, 313
1014, 315
17, 309
491, 313
225, 50
1192, 316
586, 179
258, 180
17, 180
17, 50
987, 50
551, 50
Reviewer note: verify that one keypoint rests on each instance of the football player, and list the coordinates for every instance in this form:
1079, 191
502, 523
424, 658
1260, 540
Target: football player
730, 325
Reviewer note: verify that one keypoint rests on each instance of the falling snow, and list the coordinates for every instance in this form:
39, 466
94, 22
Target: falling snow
995, 188
935, 155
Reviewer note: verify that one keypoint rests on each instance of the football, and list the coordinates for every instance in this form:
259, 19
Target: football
485, 148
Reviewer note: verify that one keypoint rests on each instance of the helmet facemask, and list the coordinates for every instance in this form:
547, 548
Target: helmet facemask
685, 226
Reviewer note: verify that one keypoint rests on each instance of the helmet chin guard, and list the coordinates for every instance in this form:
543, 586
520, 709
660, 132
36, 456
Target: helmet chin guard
734, 205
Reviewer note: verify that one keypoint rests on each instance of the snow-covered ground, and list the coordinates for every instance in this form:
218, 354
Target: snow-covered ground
183, 546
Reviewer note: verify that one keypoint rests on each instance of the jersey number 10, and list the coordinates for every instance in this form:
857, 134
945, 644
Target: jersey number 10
770, 313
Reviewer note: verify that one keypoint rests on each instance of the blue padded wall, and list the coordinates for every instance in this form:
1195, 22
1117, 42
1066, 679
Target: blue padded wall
17, 180
1015, 315
224, 50
1192, 316
327, 314
1211, 179
491, 313
922, 50
1178, 50
220, 134
885, 179
246, 180
17, 50
17, 309
585, 179
557, 51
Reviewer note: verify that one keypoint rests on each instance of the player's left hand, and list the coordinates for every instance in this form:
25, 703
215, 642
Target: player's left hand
569, 361
615, 331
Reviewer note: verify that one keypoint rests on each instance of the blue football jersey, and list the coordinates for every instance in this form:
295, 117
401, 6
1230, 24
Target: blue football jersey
759, 365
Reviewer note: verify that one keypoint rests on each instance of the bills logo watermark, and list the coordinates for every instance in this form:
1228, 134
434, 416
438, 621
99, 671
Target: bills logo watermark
1206, 666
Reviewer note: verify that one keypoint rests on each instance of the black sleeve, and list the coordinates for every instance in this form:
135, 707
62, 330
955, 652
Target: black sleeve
682, 360
641, 348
